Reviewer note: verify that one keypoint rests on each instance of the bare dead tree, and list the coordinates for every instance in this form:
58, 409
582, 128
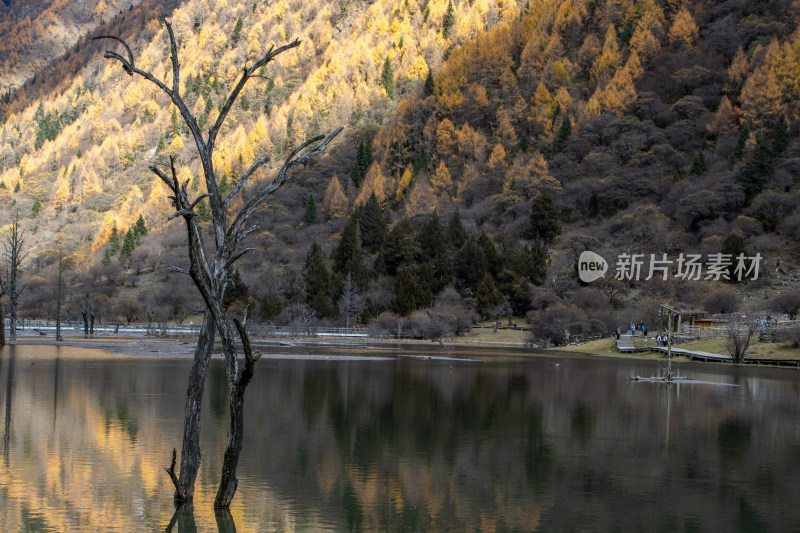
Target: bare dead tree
351, 302
13, 246
737, 338
210, 272
59, 292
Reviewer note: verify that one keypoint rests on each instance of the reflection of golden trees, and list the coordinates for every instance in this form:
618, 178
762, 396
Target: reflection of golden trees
484, 446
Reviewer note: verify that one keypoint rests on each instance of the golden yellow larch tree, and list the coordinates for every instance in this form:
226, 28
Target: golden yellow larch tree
440, 179
724, 117
497, 159
335, 200
643, 43
762, 96
505, 131
445, 137
375, 182
541, 111
471, 143
404, 183
684, 30
609, 59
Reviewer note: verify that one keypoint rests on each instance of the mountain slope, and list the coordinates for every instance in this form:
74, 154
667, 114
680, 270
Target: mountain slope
36, 32
656, 127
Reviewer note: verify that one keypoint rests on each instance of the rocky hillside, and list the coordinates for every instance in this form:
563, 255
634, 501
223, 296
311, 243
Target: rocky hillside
487, 144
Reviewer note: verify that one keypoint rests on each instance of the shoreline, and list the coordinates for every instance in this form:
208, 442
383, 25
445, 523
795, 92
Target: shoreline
184, 346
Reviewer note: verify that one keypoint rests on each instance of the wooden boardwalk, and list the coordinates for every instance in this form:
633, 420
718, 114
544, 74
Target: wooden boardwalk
625, 345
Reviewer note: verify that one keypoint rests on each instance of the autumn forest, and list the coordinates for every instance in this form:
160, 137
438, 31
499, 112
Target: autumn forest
486, 144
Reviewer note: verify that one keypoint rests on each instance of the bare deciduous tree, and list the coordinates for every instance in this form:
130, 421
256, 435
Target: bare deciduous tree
352, 301
10, 281
210, 273
737, 338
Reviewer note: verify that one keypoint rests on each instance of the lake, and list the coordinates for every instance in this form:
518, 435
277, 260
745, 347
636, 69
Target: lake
445, 440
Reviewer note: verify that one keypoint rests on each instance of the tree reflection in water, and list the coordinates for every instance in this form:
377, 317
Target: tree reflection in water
401, 445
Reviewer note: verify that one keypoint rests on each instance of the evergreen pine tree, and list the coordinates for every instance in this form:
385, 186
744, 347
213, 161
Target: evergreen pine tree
456, 234
741, 142
470, 265
564, 133
433, 249
544, 218
237, 31
757, 171
362, 163
493, 263
427, 89
448, 20
347, 256
733, 245
311, 210
140, 228
318, 281
399, 246
699, 166
779, 136
114, 241
405, 293
538, 259
487, 296
128, 244
387, 78
372, 224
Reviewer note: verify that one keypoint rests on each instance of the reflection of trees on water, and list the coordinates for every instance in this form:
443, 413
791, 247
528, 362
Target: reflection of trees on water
394, 446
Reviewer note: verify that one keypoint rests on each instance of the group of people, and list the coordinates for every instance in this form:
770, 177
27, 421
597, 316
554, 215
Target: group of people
662, 339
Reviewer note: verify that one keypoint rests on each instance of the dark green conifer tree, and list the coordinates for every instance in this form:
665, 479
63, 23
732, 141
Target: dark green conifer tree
387, 78
140, 228
427, 89
470, 265
311, 210
362, 163
372, 224
493, 262
456, 234
347, 256
487, 297
406, 293
129, 244
448, 20
544, 219
733, 245
433, 248
699, 166
741, 142
237, 31
318, 281
564, 133
399, 246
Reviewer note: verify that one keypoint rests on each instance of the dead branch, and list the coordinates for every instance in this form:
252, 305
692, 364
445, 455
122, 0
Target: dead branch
179, 492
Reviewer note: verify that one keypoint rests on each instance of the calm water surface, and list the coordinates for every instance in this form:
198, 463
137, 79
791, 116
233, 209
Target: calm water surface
398, 443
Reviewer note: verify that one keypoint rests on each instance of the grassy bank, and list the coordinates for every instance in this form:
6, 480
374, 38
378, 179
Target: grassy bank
757, 349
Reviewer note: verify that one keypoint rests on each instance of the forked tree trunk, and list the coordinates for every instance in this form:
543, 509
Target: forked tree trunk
210, 274
190, 450
238, 379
